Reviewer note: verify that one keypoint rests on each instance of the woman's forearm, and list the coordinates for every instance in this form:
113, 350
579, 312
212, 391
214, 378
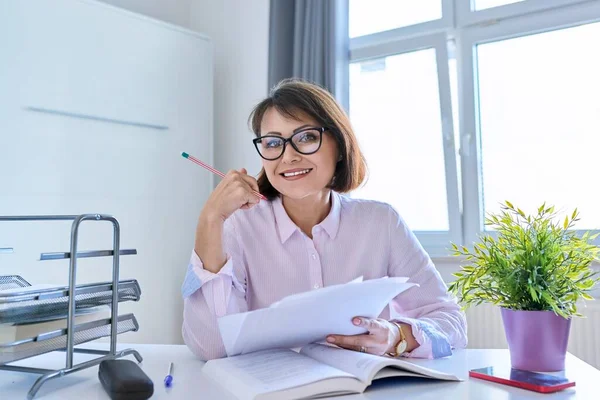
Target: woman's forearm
209, 243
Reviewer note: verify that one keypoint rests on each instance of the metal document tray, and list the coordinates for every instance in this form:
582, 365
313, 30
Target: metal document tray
57, 340
12, 282
45, 304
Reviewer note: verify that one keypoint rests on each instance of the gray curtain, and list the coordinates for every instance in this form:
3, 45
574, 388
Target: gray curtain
309, 39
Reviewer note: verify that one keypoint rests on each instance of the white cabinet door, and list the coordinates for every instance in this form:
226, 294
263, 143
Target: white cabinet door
96, 105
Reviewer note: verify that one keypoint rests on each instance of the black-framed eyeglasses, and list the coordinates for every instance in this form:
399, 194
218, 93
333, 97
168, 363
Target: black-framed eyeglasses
306, 141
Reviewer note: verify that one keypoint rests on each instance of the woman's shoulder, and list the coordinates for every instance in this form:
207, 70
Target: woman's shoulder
375, 213
366, 208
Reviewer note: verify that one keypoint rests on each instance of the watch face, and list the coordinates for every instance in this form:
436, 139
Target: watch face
401, 348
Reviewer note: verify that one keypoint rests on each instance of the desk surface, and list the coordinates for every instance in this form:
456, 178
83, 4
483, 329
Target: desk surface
189, 382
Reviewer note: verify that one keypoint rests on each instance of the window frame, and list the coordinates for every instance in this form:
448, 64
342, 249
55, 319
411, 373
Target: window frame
435, 242
428, 27
457, 34
466, 16
470, 133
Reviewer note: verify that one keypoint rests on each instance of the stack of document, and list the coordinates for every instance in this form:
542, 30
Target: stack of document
14, 332
10, 333
309, 317
27, 312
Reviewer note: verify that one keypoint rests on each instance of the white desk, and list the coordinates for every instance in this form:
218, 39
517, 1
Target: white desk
189, 383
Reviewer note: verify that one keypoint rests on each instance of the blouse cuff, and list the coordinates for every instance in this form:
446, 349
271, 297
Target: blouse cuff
196, 276
432, 342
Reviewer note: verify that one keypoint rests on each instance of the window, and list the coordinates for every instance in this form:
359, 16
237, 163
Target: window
539, 99
483, 4
499, 102
372, 16
397, 125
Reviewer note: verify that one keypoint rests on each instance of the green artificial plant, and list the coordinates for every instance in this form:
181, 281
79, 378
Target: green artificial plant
534, 263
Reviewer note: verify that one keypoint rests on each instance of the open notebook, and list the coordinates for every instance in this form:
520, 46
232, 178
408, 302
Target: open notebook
316, 371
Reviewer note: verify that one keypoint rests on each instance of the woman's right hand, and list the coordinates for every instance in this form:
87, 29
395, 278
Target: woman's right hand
231, 194
234, 192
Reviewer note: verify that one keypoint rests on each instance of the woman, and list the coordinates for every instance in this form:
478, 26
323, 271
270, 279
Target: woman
250, 253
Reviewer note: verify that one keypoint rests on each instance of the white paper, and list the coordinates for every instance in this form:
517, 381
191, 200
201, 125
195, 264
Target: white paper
278, 369
367, 366
299, 296
361, 365
309, 317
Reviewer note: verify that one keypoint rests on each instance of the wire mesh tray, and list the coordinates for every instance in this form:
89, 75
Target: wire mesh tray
57, 340
44, 304
12, 282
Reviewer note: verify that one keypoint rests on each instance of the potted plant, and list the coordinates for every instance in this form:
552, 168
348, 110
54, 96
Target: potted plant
536, 269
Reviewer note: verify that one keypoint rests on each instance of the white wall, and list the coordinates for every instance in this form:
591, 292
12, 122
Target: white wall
78, 57
174, 11
239, 30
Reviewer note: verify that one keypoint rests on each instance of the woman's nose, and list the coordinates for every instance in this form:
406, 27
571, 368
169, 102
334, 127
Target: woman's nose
290, 154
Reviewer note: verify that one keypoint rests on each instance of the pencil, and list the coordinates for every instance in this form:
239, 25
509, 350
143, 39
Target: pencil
213, 170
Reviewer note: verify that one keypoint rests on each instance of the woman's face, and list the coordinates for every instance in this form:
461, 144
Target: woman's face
313, 172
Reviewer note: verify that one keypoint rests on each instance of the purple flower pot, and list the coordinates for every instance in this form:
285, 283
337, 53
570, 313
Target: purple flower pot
537, 340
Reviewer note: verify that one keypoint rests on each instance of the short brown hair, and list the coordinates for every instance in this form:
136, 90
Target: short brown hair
293, 97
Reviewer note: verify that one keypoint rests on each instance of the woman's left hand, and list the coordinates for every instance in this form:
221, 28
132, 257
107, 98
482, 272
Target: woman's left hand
382, 337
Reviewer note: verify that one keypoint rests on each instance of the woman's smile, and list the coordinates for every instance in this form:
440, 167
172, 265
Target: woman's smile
295, 174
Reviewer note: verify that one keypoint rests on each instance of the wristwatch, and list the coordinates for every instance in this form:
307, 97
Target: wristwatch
402, 344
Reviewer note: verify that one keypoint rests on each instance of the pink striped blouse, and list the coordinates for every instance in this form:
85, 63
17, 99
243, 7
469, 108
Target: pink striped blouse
269, 257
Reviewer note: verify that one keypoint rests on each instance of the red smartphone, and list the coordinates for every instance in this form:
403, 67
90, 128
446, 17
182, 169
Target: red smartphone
543, 383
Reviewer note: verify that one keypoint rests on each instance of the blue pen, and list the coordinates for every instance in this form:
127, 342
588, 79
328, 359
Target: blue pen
169, 377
